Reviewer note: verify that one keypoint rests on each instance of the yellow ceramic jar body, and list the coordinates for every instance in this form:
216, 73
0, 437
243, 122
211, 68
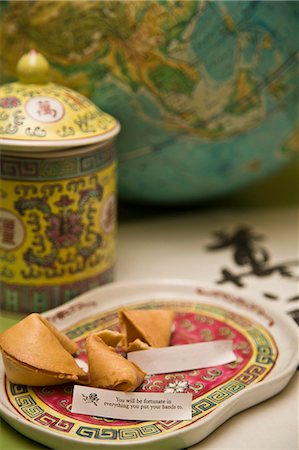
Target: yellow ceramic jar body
57, 225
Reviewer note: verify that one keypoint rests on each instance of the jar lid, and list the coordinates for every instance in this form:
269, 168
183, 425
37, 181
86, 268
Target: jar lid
35, 113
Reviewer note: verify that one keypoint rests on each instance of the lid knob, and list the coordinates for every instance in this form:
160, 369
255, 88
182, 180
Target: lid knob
33, 68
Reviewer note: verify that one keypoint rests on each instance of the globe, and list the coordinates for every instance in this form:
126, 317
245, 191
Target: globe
205, 91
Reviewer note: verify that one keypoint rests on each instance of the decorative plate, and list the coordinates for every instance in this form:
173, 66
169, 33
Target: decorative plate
264, 343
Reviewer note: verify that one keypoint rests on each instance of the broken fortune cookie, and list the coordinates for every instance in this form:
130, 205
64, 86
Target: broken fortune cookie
108, 369
38, 354
141, 327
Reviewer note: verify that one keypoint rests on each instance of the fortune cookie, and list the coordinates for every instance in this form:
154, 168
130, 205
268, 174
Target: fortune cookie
114, 338
111, 338
141, 327
38, 354
108, 369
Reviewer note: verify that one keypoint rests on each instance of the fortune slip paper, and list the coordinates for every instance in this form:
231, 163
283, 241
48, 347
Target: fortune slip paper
184, 357
131, 405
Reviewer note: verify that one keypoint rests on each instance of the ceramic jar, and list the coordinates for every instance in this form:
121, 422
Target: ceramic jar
57, 192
